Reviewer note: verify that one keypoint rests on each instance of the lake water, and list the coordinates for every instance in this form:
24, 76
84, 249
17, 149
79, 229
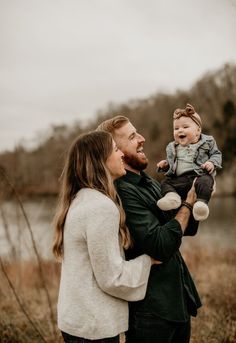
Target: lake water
14, 232
219, 229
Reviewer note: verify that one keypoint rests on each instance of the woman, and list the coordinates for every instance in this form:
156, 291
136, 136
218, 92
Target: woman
96, 281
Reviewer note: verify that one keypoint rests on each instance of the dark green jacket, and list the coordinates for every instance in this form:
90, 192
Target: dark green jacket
171, 293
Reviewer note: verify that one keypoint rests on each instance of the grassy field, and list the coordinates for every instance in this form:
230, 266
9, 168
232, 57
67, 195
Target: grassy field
214, 272
30, 321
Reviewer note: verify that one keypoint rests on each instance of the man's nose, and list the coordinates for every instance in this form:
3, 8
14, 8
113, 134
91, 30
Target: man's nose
141, 139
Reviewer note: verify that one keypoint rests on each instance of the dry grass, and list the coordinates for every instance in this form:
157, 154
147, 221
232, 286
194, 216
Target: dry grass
14, 325
213, 270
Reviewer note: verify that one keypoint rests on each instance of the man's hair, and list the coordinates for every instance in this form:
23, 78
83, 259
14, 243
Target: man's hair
110, 125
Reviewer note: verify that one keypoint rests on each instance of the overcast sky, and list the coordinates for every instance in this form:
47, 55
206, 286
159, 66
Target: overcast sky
62, 60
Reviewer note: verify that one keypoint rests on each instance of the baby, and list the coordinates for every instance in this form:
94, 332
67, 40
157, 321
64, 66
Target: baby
192, 154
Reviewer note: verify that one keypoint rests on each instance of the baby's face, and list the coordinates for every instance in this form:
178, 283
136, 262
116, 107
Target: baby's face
186, 131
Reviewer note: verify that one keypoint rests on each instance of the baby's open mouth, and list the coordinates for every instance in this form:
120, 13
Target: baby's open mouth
182, 136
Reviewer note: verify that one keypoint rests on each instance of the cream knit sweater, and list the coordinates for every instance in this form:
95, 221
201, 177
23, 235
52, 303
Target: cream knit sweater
94, 275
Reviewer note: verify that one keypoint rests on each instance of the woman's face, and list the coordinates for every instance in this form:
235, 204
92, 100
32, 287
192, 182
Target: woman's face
115, 163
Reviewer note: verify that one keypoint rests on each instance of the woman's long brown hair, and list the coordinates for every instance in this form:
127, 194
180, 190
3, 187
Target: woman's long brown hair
85, 167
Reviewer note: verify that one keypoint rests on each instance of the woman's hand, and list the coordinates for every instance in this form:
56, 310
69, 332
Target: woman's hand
155, 261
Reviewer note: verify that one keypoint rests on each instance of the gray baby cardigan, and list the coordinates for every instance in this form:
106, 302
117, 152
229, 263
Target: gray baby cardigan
96, 281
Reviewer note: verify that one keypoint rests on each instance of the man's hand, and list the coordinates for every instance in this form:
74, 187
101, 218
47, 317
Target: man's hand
209, 166
162, 165
192, 196
184, 212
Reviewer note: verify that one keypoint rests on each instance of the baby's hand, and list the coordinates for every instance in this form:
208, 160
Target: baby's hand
209, 166
162, 165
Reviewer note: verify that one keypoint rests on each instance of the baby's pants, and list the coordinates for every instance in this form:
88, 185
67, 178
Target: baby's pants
182, 184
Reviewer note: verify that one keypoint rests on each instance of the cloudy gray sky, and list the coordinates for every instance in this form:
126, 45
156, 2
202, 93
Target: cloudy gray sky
62, 60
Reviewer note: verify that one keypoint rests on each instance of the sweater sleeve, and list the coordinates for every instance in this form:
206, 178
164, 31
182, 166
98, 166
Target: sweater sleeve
123, 279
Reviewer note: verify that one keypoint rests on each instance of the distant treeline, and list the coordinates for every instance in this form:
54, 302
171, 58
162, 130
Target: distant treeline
213, 96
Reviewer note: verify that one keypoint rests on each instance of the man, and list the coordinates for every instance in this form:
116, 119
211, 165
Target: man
171, 298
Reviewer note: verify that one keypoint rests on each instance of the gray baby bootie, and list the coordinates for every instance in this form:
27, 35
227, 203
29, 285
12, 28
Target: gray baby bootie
200, 210
170, 201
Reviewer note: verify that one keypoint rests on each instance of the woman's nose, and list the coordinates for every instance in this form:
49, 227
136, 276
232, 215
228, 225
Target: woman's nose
121, 153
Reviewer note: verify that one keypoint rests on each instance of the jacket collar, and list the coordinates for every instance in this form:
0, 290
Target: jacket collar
137, 179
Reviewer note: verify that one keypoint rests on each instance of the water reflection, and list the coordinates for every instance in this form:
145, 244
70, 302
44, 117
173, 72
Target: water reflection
18, 241
218, 229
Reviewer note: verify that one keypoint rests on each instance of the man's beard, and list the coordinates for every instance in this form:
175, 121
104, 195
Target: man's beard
135, 163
